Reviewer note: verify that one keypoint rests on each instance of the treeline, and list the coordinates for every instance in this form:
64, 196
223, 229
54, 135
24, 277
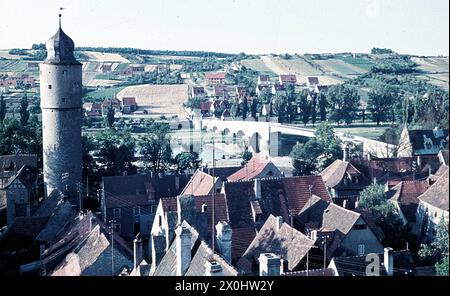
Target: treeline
129, 50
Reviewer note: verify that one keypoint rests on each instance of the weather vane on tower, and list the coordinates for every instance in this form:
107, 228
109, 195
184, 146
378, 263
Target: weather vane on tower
60, 15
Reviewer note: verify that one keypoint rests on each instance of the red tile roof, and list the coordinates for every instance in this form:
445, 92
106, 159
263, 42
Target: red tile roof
406, 193
200, 184
215, 76
129, 101
254, 167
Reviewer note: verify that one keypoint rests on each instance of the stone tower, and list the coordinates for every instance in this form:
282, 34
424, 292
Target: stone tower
61, 91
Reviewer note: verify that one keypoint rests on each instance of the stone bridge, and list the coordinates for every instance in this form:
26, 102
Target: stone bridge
263, 137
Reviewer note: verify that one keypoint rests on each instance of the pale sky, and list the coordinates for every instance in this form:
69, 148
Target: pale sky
252, 26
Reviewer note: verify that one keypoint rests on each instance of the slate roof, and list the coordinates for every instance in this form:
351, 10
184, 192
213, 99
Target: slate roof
278, 196
62, 215
406, 194
27, 175
287, 242
241, 239
169, 204
263, 77
356, 265
202, 255
198, 90
222, 172
60, 49
133, 189
26, 227
417, 140
438, 194
200, 184
253, 169
329, 217
168, 264
333, 176
288, 78
80, 250
12, 163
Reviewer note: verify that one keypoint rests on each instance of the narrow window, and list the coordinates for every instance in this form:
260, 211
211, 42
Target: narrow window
116, 213
49, 86
159, 221
64, 72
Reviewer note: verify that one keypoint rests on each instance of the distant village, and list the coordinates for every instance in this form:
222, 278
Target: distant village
383, 211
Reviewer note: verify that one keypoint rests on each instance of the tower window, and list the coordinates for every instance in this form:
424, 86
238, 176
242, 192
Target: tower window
64, 71
63, 100
49, 86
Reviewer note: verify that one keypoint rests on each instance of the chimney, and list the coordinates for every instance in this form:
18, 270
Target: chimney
278, 223
269, 264
213, 268
204, 207
374, 180
257, 188
345, 156
183, 249
344, 204
389, 261
177, 182
223, 236
368, 157
158, 249
313, 234
91, 222
419, 161
138, 255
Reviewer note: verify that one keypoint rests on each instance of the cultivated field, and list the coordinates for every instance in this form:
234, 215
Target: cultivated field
437, 69
432, 64
104, 57
158, 99
339, 67
13, 66
257, 65
300, 67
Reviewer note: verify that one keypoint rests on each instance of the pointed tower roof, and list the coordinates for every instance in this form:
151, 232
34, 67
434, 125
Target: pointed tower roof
60, 48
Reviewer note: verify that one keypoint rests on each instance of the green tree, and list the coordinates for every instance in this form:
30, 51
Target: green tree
24, 113
3, 109
318, 153
380, 103
245, 108
155, 147
186, 161
437, 252
254, 107
305, 106
110, 116
235, 110
246, 155
115, 151
304, 157
344, 103
374, 198
265, 96
314, 109
323, 105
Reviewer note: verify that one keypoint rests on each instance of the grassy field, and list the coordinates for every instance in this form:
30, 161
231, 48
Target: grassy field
371, 132
359, 62
104, 92
432, 64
